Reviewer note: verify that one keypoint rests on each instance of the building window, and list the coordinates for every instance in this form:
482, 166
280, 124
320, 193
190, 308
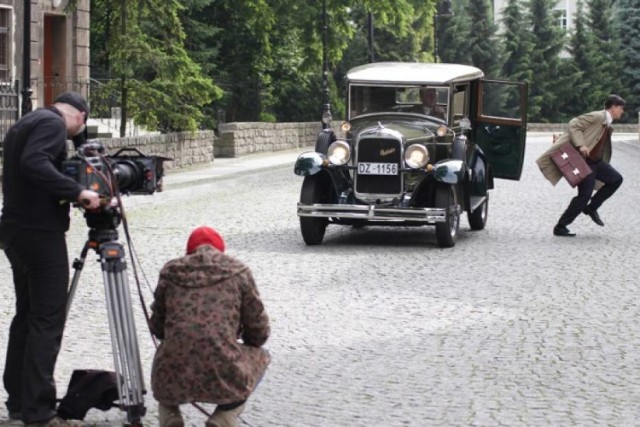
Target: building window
5, 44
561, 18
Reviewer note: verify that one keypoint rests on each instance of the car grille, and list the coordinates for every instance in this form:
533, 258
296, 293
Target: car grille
379, 150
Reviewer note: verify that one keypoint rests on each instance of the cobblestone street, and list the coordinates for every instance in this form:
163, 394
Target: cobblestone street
380, 326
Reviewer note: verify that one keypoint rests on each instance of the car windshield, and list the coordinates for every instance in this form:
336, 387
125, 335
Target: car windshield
428, 100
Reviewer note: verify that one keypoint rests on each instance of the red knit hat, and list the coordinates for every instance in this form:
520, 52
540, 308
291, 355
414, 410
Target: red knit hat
204, 236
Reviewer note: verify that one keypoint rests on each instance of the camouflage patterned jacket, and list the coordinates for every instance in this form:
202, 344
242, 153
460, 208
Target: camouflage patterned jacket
203, 303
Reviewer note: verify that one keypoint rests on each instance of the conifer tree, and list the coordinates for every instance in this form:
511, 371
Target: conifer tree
626, 24
605, 78
517, 43
547, 82
453, 35
582, 63
485, 50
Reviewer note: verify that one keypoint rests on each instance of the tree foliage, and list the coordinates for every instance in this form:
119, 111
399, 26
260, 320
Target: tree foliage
547, 80
144, 49
583, 66
517, 43
266, 56
485, 50
453, 35
626, 27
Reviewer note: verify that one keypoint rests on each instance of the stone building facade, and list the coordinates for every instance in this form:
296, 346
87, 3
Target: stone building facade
58, 47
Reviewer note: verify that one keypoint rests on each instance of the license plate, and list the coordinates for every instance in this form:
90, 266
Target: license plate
378, 168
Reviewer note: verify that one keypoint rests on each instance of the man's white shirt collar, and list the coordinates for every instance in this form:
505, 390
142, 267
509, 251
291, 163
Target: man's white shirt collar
608, 117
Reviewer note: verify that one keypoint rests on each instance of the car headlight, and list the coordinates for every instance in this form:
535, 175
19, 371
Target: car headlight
442, 131
339, 153
346, 127
416, 156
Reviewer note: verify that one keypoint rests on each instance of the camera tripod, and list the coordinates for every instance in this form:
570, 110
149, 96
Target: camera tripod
124, 341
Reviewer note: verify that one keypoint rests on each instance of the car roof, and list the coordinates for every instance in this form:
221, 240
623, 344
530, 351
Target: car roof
412, 73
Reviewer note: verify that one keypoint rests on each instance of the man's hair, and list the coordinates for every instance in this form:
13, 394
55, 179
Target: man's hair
613, 100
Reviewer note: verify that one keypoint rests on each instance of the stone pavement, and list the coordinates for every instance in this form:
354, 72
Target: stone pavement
227, 167
491, 336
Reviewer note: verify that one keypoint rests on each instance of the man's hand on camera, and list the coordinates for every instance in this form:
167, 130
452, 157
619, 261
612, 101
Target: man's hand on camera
89, 199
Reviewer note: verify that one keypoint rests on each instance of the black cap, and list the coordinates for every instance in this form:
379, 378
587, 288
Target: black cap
75, 100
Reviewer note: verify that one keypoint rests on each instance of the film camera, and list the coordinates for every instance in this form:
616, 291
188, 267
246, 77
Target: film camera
128, 171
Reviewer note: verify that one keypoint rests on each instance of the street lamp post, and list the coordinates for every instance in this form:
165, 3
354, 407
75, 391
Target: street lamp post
443, 9
326, 105
370, 36
26, 59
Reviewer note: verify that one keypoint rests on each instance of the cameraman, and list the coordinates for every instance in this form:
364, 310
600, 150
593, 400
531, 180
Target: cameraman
35, 217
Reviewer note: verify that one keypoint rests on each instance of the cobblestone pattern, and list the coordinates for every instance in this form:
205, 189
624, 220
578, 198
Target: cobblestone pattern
237, 139
379, 326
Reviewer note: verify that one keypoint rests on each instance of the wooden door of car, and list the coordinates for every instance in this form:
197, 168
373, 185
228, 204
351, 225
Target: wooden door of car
500, 125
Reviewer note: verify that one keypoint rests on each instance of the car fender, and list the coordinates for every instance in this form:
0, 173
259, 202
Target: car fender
312, 163
449, 171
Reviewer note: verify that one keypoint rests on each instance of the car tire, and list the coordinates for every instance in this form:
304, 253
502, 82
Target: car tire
315, 189
447, 232
478, 218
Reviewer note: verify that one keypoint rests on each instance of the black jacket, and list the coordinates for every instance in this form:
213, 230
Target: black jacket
36, 194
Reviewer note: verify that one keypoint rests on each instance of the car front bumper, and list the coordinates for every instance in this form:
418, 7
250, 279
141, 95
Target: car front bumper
376, 213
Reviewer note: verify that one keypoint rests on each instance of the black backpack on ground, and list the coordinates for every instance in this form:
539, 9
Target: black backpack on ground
88, 388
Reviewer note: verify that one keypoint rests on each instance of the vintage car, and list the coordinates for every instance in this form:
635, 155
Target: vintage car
398, 161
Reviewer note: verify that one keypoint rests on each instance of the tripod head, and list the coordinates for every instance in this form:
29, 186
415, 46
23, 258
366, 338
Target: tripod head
106, 218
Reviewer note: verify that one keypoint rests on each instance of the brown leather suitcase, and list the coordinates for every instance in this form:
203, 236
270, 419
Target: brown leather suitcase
571, 163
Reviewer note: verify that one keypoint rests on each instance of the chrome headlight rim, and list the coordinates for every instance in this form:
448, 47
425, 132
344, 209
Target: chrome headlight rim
339, 153
442, 131
416, 156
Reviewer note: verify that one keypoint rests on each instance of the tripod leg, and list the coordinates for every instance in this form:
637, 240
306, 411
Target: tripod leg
124, 340
78, 263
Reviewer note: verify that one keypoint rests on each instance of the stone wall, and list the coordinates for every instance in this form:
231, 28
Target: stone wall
561, 127
184, 148
237, 139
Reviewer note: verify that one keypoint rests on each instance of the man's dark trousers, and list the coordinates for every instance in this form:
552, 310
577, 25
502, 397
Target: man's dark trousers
40, 267
603, 172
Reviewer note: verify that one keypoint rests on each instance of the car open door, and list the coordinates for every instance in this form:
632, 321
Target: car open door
501, 124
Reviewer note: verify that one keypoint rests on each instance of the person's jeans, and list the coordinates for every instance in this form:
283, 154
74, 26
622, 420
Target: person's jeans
603, 172
40, 265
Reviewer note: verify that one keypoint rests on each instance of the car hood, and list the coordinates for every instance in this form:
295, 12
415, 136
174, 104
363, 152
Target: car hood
412, 127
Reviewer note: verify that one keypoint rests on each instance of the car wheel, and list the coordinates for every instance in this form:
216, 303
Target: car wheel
315, 189
478, 218
447, 232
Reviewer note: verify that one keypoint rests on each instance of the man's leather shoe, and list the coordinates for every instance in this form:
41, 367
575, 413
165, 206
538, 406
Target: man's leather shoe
561, 230
594, 216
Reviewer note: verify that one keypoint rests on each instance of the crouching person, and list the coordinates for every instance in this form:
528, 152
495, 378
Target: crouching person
211, 322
